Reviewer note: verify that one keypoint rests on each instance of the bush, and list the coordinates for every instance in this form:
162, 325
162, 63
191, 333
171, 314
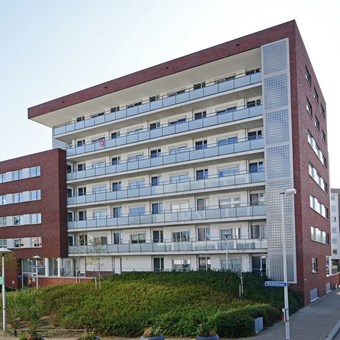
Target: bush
234, 324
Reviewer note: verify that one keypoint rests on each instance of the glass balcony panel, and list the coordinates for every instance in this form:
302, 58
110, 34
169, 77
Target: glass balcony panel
131, 111
145, 163
59, 130
255, 111
111, 195
100, 171
145, 191
195, 124
83, 174
122, 194
196, 94
99, 120
258, 210
84, 224
169, 130
144, 135
257, 177
184, 246
121, 114
89, 198
110, 116
121, 140
195, 185
79, 125
198, 215
226, 149
169, 101
228, 180
209, 90
183, 97
158, 189
169, 159
184, 216
242, 179
212, 183
210, 121
146, 247
71, 176
123, 248
182, 156
72, 200
131, 138
243, 211
156, 133
157, 247
228, 212
132, 165
156, 105
109, 143
225, 86
182, 127
197, 154
71, 225
112, 248
119, 167
242, 81
213, 213
88, 122
241, 114
99, 196
80, 149
71, 151
256, 143
135, 247
225, 117
156, 161
145, 219
158, 218
144, 108
171, 217
242, 146
256, 78
211, 152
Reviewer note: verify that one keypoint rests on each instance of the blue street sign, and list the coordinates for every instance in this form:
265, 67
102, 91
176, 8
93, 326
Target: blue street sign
276, 284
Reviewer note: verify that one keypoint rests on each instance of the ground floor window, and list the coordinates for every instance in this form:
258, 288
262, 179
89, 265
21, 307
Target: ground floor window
158, 264
181, 264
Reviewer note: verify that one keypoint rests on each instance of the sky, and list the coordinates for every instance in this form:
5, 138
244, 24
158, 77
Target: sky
52, 48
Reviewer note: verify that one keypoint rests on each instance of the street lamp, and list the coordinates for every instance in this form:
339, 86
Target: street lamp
287, 192
3, 251
36, 257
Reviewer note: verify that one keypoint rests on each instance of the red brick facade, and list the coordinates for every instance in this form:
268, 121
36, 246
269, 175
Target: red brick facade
52, 205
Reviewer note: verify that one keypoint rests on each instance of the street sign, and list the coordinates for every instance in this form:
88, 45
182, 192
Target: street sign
1, 280
276, 284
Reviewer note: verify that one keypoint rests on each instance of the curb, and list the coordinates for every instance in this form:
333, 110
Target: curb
333, 332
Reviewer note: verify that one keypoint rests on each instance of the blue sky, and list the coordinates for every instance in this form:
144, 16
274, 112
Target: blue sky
52, 48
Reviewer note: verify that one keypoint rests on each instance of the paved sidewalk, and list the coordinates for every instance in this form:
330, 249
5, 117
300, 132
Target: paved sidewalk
314, 322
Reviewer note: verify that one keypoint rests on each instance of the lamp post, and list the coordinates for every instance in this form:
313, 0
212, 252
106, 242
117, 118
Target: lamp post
3, 251
36, 257
287, 192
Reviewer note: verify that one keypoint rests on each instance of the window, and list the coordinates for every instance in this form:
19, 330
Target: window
35, 171
82, 215
154, 126
69, 216
17, 197
203, 144
115, 109
155, 153
79, 119
81, 142
308, 77
155, 180
176, 93
116, 186
180, 206
100, 240
228, 109
153, 98
117, 212
135, 157
35, 195
203, 233
201, 174
3, 221
231, 234
257, 198
117, 238
309, 107
137, 183
319, 235
115, 134
255, 70
97, 189
314, 265
135, 130
199, 85
200, 115
254, 134
222, 80
256, 167
17, 174
181, 236
179, 178
137, 211
99, 214
98, 164
16, 220
35, 218
229, 202
323, 136
156, 208
158, 264
200, 204
115, 160
322, 109
178, 121
137, 238
181, 264
3, 199
257, 231
157, 236
82, 239
204, 263
317, 178
82, 191
316, 149
229, 171
316, 95
181, 148
253, 103
317, 123
133, 104
226, 141
318, 206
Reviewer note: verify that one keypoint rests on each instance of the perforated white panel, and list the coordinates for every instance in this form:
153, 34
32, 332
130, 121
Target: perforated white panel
278, 157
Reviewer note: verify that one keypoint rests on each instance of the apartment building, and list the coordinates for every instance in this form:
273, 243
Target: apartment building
335, 230
33, 221
182, 166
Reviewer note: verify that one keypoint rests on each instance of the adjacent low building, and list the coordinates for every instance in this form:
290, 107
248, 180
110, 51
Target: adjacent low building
182, 166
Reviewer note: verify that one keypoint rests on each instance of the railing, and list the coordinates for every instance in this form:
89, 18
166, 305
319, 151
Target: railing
241, 211
242, 245
163, 102
166, 130
169, 159
169, 188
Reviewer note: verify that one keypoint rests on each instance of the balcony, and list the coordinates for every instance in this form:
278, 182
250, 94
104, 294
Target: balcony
208, 246
173, 217
166, 130
162, 103
167, 188
170, 159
